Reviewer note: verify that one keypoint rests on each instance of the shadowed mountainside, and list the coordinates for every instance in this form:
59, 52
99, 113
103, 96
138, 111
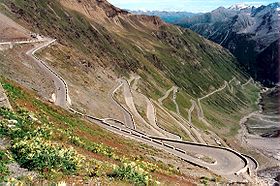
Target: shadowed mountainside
250, 33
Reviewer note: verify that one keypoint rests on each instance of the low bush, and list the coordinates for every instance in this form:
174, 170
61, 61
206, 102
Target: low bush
4, 160
31, 145
133, 173
39, 154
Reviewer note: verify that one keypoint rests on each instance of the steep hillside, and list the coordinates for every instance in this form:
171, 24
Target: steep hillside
100, 43
248, 32
50, 144
133, 70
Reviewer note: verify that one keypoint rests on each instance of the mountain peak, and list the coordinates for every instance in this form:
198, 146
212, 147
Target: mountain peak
240, 6
274, 5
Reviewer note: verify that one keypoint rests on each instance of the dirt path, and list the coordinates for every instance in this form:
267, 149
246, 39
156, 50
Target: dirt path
245, 84
130, 103
166, 95
151, 115
175, 90
201, 114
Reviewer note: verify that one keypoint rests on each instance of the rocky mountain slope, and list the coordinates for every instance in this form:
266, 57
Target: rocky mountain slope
118, 65
250, 33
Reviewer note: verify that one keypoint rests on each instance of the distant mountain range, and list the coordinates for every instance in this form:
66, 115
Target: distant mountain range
250, 33
170, 17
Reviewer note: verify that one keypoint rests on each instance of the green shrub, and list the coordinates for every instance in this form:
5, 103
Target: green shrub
18, 127
132, 173
4, 160
39, 154
13, 92
99, 148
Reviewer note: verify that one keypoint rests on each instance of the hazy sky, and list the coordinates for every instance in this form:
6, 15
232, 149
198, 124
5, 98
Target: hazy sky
182, 5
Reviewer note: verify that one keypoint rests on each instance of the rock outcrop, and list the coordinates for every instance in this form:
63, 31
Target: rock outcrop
4, 101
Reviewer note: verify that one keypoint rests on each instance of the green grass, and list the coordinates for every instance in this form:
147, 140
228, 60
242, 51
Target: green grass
184, 103
224, 109
169, 104
4, 161
132, 173
13, 92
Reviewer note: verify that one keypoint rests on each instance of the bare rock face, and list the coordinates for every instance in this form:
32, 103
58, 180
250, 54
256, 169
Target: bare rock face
103, 12
4, 101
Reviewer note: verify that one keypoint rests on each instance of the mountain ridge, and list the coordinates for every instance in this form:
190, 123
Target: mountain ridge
255, 27
167, 16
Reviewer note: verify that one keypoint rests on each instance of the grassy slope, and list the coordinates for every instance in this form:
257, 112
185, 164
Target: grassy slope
226, 108
102, 148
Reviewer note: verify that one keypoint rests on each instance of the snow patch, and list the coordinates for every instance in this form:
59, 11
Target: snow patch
240, 6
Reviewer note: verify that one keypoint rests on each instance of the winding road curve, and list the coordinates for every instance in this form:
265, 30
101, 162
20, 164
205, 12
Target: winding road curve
130, 103
201, 114
61, 94
151, 115
174, 97
228, 162
61, 88
182, 120
245, 84
167, 93
151, 111
128, 118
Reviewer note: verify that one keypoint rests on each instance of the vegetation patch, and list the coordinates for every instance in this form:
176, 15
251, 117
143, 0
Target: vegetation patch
39, 154
5, 159
133, 173
58, 145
